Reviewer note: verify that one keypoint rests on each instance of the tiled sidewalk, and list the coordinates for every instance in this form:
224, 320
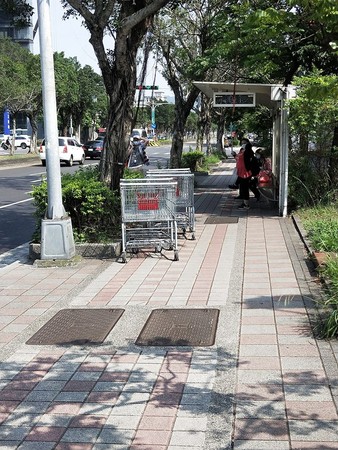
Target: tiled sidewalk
266, 384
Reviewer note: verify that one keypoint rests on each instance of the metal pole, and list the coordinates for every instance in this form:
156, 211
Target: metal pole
57, 241
55, 208
283, 188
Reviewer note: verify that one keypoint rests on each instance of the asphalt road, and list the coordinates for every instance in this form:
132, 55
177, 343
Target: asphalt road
17, 221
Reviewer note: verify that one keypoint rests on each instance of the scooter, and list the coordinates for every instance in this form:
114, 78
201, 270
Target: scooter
5, 146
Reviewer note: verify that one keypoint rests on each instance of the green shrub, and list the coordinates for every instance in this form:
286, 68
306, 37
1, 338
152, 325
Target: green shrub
213, 158
93, 208
132, 174
192, 160
197, 160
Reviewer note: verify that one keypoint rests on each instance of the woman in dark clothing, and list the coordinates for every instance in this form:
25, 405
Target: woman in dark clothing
244, 172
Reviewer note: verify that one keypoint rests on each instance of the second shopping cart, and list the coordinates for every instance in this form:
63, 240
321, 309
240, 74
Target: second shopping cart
148, 213
185, 209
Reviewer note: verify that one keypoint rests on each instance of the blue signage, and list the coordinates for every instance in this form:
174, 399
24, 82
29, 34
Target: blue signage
153, 125
7, 128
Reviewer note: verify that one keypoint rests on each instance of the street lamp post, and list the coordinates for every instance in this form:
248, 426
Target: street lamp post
57, 240
153, 108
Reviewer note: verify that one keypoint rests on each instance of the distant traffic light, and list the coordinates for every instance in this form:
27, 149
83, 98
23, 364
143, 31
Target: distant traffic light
148, 88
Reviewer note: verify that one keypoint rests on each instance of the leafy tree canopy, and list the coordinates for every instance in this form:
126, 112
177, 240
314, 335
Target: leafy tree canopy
19, 11
19, 80
278, 39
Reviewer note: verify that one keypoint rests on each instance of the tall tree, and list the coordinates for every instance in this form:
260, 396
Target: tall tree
20, 82
67, 90
278, 39
19, 11
126, 22
184, 36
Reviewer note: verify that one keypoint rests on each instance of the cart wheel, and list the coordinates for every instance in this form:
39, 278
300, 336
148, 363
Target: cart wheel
184, 231
134, 251
123, 257
176, 255
193, 237
158, 249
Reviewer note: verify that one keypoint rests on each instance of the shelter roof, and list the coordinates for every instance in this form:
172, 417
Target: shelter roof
266, 94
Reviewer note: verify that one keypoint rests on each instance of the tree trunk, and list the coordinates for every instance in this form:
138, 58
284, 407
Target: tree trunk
121, 100
201, 124
333, 161
182, 111
177, 140
220, 132
303, 143
12, 141
207, 129
117, 134
34, 125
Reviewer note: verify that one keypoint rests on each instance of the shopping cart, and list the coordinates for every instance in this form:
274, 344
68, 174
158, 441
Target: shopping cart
185, 209
148, 216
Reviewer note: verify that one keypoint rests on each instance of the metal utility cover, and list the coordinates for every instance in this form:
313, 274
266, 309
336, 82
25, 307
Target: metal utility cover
180, 327
77, 327
216, 220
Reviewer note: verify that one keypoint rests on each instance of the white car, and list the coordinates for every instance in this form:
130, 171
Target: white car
22, 141
70, 151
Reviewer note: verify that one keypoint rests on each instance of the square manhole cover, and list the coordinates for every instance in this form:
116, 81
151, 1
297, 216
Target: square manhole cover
180, 327
77, 327
217, 220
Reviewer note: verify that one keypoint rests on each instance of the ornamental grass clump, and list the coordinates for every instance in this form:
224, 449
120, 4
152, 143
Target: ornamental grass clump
329, 273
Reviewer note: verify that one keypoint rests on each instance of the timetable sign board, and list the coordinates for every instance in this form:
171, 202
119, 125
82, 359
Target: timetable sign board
239, 100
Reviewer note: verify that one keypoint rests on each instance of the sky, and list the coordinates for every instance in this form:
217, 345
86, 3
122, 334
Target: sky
70, 37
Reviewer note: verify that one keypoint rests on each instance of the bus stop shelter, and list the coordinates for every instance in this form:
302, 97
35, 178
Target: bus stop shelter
273, 96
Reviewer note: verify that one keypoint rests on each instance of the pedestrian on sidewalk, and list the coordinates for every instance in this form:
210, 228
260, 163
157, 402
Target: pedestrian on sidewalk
236, 183
243, 165
255, 169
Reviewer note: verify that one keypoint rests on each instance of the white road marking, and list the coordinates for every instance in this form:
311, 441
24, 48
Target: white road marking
16, 203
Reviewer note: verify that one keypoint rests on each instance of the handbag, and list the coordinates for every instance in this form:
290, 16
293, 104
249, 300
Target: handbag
264, 178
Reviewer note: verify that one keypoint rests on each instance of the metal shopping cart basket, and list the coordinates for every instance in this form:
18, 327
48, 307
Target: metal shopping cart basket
148, 216
185, 209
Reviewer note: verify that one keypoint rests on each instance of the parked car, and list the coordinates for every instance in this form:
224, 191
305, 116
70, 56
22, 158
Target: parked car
22, 141
70, 151
93, 149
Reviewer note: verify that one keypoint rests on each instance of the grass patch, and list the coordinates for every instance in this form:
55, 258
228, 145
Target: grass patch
321, 226
18, 156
